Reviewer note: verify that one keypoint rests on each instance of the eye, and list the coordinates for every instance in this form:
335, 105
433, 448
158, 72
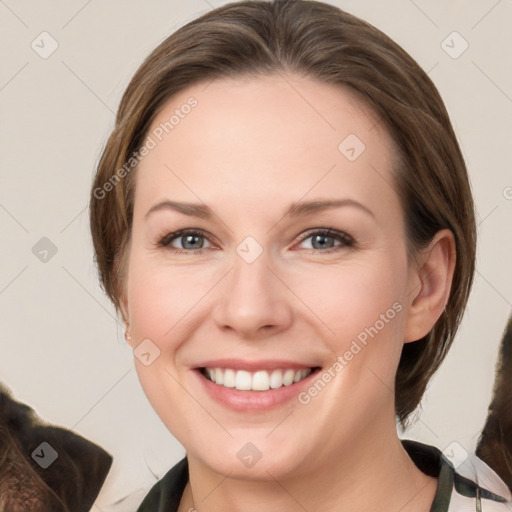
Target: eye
190, 240
320, 240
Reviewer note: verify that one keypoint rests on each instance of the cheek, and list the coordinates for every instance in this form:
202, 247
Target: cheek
159, 297
352, 296
361, 307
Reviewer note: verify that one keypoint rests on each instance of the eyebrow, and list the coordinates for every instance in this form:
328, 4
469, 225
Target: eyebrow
296, 209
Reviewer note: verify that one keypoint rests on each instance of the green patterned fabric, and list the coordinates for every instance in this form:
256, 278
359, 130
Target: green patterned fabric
165, 495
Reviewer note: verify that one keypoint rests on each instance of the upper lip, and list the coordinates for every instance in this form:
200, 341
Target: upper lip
251, 365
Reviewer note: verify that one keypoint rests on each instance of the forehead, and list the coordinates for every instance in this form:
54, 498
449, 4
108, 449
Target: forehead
255, 135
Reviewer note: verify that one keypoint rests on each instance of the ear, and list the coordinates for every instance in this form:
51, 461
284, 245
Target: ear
430, 282
119, 271
123, 306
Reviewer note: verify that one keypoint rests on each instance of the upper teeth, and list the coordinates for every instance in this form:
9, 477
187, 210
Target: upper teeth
258, 381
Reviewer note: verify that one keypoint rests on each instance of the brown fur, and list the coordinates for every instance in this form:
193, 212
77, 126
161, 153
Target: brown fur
70, 484
495, 442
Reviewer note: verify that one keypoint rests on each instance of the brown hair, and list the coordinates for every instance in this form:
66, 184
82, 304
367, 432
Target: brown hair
70, 484
321, 42
494, 445
21, 487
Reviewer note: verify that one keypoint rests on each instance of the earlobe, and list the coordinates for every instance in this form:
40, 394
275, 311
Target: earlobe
126, 320
430, 285
128, 337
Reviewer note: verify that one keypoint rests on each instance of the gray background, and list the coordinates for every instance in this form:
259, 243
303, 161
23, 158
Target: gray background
63, 351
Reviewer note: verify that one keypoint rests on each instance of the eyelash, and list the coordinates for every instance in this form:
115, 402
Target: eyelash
345, 239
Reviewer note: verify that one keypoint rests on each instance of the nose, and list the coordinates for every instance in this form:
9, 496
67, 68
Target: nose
255, 301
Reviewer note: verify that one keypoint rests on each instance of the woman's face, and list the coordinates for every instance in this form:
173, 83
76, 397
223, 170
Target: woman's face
258, 288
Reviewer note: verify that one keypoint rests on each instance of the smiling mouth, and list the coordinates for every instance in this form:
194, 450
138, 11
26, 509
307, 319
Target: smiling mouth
261, 380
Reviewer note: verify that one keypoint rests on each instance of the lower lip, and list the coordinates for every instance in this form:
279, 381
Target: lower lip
253, 401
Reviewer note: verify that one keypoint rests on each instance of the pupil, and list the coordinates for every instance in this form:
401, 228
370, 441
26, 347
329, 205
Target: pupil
321, 237
188, 238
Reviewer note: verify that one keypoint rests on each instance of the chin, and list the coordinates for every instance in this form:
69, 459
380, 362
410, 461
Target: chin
252, 457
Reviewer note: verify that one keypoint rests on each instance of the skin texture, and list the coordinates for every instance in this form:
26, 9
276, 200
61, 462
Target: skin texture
249, 148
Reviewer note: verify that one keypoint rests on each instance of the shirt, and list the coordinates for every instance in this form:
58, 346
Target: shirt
473, 486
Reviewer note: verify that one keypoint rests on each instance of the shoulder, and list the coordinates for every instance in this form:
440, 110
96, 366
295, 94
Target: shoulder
477, 487
465, 482
461, 503
165, 495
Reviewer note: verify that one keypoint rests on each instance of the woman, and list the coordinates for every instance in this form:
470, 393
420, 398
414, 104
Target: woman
313, 163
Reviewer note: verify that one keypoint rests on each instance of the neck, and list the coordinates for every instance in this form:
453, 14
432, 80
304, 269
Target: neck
373, 474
